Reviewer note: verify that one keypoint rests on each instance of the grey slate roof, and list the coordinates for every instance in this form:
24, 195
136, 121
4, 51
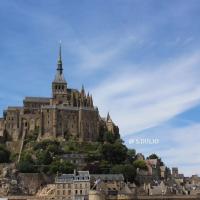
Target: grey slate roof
108, 177
37, 99
59, 78
72, 90
80, 176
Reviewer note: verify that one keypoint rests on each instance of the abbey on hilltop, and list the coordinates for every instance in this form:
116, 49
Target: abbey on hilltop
68, 113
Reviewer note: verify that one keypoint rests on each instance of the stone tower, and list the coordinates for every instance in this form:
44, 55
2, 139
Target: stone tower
59, 85
67, 113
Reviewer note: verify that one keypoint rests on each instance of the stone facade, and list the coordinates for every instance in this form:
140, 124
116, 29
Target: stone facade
73, 186
175, 172
68, 113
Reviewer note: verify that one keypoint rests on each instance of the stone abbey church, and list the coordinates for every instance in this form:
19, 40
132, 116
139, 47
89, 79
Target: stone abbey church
68, 113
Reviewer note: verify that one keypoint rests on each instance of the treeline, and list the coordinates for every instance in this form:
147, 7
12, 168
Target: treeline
108, 155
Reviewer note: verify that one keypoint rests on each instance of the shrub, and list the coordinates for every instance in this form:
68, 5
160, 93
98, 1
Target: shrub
114, 153
4, 154
61, 167
141, 164
26, 167
129, 171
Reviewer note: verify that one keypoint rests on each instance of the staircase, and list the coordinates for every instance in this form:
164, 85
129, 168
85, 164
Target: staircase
21, 146
48, 190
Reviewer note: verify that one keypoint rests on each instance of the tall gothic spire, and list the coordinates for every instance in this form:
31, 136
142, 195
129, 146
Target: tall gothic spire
108, 116
59, 64
59, 78
82, 91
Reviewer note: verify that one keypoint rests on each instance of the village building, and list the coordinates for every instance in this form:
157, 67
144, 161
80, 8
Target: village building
74, 186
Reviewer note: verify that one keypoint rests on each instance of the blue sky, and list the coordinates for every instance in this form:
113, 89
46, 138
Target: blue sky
140, 59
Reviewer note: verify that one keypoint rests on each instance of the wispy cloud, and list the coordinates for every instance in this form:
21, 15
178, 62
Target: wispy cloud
178, 145
102, 52
143, 99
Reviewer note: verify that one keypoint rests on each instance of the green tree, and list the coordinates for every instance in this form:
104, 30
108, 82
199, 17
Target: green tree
141, 164
131, 155
26, 167
128, 170
44, 158
93, 156
114, 153
153, 156
104, 167
32, 136
45, 144
26, 164
27, 156
109, 137
61, 167
54, 149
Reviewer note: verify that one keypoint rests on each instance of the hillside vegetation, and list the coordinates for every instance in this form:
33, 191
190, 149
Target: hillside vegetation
107, 155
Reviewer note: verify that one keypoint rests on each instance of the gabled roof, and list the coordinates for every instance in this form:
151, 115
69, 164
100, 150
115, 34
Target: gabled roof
80, 176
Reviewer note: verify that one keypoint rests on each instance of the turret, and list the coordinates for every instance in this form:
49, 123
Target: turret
91, 101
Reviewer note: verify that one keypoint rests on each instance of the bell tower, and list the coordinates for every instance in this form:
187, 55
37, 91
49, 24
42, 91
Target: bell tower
59, 85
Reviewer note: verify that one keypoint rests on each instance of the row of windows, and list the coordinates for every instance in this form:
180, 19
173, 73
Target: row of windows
69, 192
35, 105
68, 185
10, 118
59, 87
78, 192
63, 192
11, 125
81, 186
64, 185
